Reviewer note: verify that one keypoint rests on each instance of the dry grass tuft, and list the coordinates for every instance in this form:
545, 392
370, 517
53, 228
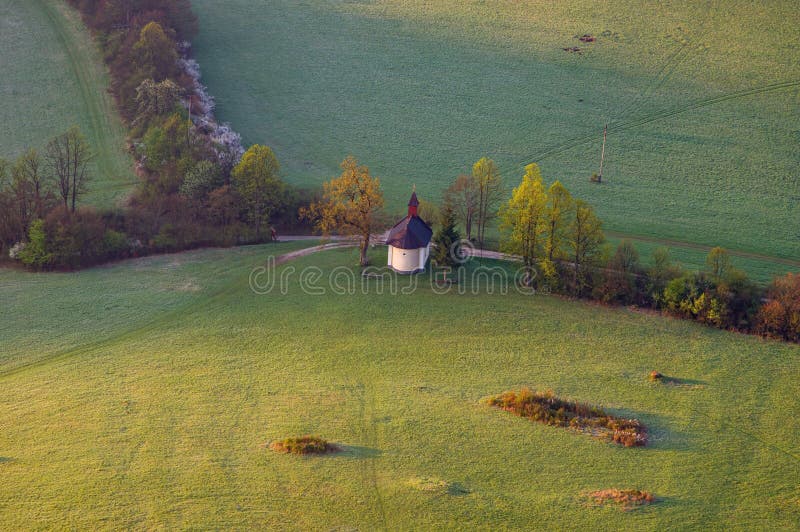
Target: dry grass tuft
545, 407
624, 499
430, 484
304, 445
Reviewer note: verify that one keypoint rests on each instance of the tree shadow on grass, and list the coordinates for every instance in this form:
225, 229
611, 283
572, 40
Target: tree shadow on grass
685, 383
457, 489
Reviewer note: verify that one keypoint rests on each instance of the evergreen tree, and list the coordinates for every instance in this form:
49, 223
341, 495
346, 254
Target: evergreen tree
446, 242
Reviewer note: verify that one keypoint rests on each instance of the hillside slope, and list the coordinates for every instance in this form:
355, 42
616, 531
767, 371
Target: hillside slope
148, 403
52, 78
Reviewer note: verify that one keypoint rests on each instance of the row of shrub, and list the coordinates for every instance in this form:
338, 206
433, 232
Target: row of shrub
545, 407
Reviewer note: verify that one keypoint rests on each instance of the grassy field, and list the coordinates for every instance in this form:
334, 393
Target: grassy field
701, 99
142, 394
52, 78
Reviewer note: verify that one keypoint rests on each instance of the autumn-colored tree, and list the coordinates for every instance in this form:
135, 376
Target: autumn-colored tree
350, 205
489, 188
780, 316
68, 156
462, 196
585, 243
256, 179
154, 53
524, 219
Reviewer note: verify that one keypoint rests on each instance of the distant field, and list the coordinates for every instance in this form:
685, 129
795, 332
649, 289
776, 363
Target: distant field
52, 77
142, 394
702, 101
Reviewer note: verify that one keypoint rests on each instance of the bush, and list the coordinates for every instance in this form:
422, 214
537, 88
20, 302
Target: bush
626, 499
545, 407
780, 316
303, 445
34, 253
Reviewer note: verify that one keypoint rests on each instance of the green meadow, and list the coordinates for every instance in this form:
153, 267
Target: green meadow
701, 101
52, 77
144, 394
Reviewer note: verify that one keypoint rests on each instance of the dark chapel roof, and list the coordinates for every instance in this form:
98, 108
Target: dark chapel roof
410, 233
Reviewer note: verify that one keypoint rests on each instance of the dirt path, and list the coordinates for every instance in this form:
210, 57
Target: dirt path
286, 257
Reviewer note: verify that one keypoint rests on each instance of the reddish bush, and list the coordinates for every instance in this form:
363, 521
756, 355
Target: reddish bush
626, 499
780, 316
303, 445
545, 407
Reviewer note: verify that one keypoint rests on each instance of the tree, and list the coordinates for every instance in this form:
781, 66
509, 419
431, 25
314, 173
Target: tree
68, 156
429, 212
256, 179
524, 219
462, 196
35, 253
446, 241
718, 263
661, 272
28, 171
156, 98
585, 242
489, 192
350, 205
780, 315
154, 53
558, 215
204, 177
621, 274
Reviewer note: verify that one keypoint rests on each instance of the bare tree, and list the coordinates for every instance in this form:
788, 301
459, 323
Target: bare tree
462, 196
490, 192
68, 156
28, 174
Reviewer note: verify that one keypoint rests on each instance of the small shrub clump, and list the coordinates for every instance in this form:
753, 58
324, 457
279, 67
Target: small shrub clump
625, 499
545, 407
303, 445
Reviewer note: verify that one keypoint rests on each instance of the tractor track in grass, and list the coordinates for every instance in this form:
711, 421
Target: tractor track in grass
660, 115
97, 107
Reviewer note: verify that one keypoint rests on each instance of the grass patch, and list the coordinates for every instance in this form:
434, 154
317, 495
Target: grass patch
545, 407
304, 445
436, 485
623, 499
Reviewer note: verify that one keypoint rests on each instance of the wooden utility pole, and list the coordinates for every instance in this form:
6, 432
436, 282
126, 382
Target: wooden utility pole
602, 154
